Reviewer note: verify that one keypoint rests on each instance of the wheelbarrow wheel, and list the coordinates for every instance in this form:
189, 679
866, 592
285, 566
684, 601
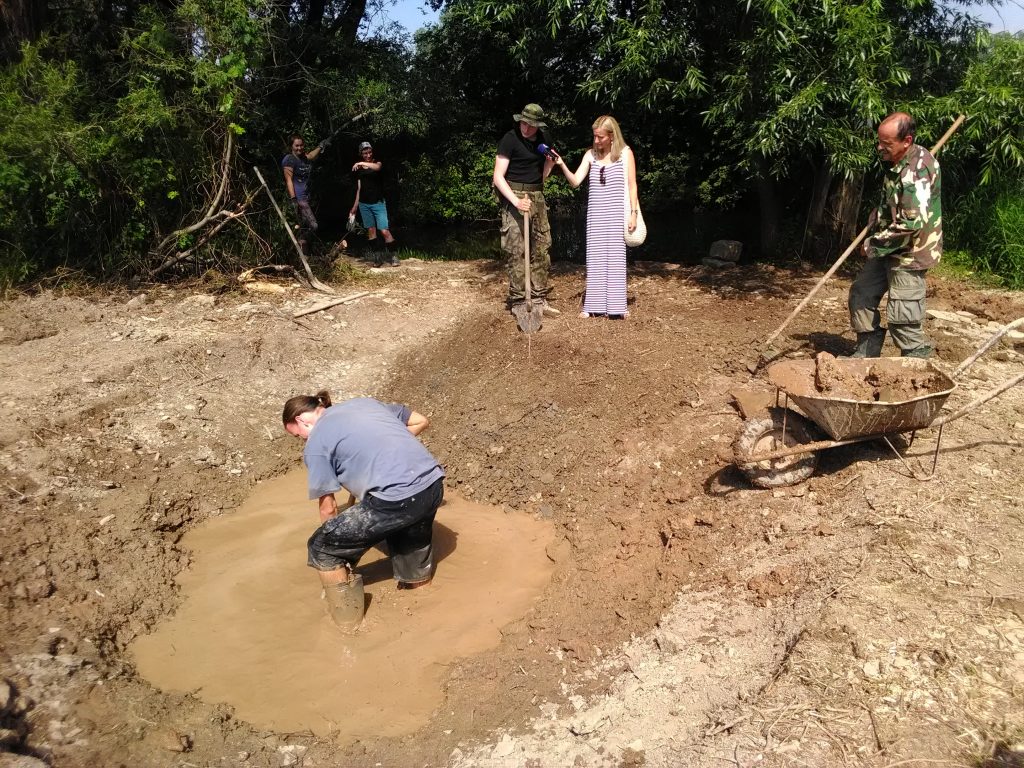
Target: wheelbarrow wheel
764, 435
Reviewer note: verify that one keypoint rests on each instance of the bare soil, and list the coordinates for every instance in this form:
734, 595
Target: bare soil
862, 618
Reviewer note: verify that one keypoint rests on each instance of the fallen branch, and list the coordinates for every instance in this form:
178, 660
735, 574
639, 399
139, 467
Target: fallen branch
726, 726
328, 304
224, 216
250, 274
291, 235
879, 743
211, 215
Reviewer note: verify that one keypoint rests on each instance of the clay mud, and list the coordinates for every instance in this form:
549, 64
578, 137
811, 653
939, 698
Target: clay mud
885, 382
690, 619
252, 629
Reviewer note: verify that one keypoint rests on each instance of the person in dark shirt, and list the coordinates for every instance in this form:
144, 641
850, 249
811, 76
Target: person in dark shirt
298, 168
519, 174
373, 209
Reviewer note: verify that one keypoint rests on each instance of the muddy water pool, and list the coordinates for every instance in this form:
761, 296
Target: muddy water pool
252, 630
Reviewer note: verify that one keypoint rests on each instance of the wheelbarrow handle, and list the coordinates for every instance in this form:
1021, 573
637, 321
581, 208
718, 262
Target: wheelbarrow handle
966, 364
983, 399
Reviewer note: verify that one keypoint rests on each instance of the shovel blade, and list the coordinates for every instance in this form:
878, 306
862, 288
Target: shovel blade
529, 319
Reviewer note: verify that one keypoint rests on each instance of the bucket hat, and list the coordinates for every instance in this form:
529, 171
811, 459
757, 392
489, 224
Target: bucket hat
532, 114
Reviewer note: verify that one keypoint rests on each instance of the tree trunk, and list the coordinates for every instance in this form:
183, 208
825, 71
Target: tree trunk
20, 21
346, 26
817, 241
315, 13
769, 206
838, 224
846, 208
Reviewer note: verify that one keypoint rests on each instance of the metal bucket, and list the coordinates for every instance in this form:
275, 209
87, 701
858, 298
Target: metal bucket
844, 419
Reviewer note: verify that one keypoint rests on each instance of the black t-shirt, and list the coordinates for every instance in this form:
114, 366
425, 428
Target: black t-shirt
371, 185
525, 163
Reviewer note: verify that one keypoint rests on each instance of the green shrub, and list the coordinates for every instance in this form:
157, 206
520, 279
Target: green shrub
986, 231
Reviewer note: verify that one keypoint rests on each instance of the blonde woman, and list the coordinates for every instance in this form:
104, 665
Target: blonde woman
611, 169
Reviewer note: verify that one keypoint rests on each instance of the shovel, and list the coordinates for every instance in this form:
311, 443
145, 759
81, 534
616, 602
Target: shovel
529, 316
767, 352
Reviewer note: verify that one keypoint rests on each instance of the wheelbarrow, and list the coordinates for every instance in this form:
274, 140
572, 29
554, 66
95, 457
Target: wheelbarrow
781, 448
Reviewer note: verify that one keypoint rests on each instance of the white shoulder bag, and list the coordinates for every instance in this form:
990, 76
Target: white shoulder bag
638, 235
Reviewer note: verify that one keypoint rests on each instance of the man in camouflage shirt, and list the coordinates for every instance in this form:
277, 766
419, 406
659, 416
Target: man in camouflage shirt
905, 240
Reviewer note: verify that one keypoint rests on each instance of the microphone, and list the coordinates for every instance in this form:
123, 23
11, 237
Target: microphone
545, 150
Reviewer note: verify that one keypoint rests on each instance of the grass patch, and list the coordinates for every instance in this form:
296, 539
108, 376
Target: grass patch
986, 233
961, 265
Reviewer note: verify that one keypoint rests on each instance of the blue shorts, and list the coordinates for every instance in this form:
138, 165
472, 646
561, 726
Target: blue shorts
374, 215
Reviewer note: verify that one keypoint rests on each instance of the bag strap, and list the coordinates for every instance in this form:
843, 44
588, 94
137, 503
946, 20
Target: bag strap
625, 176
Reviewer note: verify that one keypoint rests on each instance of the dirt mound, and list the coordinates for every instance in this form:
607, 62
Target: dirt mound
881, 383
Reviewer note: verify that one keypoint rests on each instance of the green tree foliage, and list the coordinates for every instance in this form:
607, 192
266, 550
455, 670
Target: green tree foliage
992, 93
986, 171
129, 129
106, 162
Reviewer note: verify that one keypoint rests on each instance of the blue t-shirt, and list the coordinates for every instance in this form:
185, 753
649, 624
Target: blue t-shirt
302, 169
364, 446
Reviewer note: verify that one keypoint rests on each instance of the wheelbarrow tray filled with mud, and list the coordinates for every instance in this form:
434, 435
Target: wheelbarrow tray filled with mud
859, 397
853, 400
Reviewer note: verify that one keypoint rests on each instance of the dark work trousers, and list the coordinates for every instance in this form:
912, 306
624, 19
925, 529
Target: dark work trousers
406, 526
307, 221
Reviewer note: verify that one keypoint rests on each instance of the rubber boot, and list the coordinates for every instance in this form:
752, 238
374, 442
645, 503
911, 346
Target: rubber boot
910, 338
346, 602
870, 344
924, 351
374, 252
393, 250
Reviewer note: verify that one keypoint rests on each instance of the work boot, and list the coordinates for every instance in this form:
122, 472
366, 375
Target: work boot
911, 340
346, 602
924, 351
372, 254
870, 344
549, 311
414, 584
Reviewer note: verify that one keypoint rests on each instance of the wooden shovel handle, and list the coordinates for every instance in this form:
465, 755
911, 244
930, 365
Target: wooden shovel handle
526, 254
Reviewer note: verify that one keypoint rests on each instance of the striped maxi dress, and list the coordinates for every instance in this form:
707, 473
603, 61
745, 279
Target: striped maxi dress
606, 248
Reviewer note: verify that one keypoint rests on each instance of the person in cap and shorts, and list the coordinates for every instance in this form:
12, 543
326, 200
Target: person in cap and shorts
373, 209
519, 173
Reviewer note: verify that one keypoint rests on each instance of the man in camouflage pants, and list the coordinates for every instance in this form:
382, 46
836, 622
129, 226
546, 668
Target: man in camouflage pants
519, 174
905, 240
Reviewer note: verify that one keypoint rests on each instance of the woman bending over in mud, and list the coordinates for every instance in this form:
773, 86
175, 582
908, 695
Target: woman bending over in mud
370, 450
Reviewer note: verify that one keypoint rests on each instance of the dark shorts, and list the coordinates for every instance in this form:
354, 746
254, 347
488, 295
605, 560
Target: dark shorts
406, 526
